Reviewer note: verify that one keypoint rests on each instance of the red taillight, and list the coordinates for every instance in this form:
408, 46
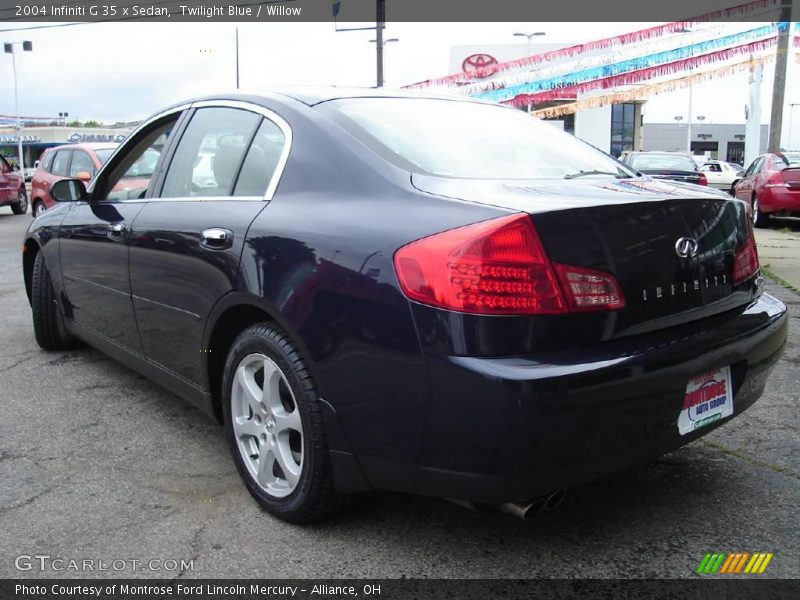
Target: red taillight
497, 267
703, 179
745, 263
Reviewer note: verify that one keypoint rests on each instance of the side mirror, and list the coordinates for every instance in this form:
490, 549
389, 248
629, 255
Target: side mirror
68, 190
84, 176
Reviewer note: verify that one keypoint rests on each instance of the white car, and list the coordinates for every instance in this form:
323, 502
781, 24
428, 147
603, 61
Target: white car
722, 175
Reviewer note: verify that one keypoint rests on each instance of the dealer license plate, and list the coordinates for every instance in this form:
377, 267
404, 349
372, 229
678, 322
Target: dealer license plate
709, 398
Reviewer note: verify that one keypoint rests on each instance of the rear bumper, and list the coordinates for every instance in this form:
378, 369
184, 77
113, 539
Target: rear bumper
506, 429
774, 199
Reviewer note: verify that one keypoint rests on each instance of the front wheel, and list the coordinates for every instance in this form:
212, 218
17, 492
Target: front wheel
760, 218
274, 425
21, 207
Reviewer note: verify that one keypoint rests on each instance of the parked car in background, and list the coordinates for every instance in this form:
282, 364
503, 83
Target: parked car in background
667, 165
12, 188
722, 175
79, 161
771, 186
386, 290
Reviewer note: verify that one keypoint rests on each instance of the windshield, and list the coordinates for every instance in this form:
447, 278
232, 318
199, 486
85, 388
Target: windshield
661, 162
468, 140
103, 154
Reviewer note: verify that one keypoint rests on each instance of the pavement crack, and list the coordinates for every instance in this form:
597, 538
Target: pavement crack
195, 548
747, 458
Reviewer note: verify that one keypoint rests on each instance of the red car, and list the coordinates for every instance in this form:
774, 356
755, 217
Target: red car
12, 188
79, 161
771, 185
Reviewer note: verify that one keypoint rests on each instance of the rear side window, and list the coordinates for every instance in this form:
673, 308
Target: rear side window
81, 162
61, 163
261, 161
210, 154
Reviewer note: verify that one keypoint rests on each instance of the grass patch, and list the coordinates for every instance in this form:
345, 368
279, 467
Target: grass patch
779, 280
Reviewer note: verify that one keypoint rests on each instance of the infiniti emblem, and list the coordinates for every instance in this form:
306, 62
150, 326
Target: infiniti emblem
686, 247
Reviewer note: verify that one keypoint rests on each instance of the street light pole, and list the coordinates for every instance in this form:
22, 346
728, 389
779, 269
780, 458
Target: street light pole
529, 36
9, 49
689, 124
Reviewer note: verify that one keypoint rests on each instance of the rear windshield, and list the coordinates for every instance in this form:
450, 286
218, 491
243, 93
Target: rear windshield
661, 162
468, 139
787, 159
103, 154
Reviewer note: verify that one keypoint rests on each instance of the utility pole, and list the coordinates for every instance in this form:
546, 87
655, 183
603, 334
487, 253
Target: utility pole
237, 57
380, 23
779, 81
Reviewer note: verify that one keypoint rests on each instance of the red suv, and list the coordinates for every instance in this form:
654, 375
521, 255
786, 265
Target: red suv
12, 188
771, 185
79, 161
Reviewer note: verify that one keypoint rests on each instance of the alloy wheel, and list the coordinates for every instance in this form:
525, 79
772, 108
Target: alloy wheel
267, 425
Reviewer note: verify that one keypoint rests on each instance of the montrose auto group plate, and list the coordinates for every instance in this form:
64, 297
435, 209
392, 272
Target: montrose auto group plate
709, 398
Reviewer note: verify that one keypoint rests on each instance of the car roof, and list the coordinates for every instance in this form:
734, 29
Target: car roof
85, 146
313, 95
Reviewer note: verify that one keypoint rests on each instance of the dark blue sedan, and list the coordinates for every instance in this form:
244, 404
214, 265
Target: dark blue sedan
377, 290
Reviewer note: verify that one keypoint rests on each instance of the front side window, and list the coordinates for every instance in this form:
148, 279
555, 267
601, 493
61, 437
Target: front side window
134, 167
61, 163
210, 154
81, 162
47, 161
467, 139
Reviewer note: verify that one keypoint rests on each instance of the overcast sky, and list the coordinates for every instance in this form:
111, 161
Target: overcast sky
125, 71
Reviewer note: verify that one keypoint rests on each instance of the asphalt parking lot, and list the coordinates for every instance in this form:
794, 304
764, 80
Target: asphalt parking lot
98, 463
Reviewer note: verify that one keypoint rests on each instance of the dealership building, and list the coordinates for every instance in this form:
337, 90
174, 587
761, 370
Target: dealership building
35, 140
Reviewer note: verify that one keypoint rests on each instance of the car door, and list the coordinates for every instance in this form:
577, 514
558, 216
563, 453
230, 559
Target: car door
744, 189
94, 239
187, 241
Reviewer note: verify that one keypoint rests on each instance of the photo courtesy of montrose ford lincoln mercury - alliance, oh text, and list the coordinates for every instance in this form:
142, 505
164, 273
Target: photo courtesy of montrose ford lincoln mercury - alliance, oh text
386, 290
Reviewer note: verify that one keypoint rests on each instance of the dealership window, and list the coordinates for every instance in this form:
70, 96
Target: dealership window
622, 127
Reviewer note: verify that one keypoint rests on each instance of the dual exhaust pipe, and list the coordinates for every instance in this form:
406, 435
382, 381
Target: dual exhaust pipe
531, 508
522, 510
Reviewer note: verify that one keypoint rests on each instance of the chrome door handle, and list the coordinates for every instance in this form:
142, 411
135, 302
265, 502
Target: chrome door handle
116, 232
216, 238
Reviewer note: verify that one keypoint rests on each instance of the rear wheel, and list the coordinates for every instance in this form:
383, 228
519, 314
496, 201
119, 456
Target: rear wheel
21, 207
48, 323
760, 218
273, 422
38, 208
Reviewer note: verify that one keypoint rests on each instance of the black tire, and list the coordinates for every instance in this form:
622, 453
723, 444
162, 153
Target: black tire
21, 207
760, 218
48, 323
313, 496
38, 208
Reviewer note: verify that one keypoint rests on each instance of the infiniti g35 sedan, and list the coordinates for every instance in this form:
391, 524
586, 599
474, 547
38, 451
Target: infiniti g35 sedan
381, 290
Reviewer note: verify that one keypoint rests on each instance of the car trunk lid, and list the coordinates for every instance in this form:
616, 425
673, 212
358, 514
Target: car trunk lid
671, 247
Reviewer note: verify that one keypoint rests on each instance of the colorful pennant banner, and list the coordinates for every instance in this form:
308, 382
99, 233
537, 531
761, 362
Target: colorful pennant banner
646, 91
741, 10
636, 64
639, 76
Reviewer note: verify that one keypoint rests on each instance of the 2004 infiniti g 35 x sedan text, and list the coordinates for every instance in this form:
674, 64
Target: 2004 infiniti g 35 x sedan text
385, 291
